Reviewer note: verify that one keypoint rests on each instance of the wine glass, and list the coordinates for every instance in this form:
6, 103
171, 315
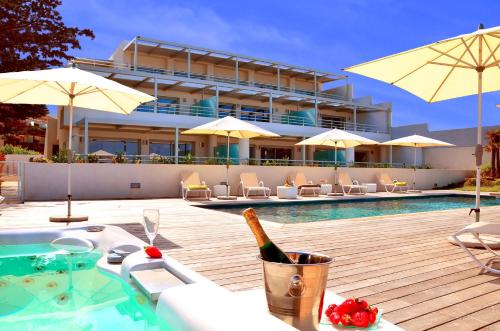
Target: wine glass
151, 223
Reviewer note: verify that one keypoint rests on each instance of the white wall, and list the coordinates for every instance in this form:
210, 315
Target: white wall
112, 181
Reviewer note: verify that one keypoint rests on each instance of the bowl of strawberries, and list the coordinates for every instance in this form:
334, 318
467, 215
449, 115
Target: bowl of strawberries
352, 314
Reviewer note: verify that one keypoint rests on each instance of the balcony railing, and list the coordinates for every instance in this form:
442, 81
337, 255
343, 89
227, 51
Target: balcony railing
198, 111
212, 78
189, 159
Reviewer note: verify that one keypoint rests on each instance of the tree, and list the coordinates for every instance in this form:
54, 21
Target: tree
493, 146
33, 36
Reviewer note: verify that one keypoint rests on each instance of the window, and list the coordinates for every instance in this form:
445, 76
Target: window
226, 110
277, 153
166, 105
334, 122
168, 148
255, 114
129, 147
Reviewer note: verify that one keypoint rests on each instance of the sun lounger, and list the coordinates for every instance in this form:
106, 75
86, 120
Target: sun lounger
476, 230
303, 185
345, 181
390, 185
191, 185
249, 183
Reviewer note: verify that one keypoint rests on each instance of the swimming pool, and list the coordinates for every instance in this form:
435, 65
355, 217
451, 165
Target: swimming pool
313, 211
43, 288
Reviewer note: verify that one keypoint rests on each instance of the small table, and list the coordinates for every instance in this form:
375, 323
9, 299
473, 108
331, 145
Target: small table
326, 188
370, 187
219, 190
286, 192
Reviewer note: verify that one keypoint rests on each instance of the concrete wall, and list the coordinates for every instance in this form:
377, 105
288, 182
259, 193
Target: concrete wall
112, 181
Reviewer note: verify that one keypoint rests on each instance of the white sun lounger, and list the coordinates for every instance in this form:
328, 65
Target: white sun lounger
345, 181
303, 185
477, 229
191, 183
390, 185
250, 183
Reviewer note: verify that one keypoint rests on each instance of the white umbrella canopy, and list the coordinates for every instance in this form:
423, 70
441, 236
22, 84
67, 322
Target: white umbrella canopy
230, 127
464, 65
416, 141
70, 87
58, 86
102, 152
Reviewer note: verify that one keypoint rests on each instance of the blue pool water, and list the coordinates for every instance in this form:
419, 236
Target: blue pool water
313, 211
42, 289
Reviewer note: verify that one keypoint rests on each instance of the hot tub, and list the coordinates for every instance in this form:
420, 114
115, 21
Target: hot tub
45, 286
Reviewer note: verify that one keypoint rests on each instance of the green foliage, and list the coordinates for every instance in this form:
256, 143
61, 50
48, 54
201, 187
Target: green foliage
39, 159
119, 158
188, 159
161, 160
136, 160
11, 149
92, 158
60, 157
33, 36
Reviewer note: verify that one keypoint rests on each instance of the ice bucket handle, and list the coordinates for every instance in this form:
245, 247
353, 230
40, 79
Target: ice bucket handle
296, 286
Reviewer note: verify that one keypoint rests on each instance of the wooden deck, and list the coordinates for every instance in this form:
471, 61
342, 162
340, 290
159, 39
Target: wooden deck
402, 263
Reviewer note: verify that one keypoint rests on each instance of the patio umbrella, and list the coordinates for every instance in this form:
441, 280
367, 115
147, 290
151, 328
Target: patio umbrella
69, 87
464, 65
337, 138
230, 127
416, 141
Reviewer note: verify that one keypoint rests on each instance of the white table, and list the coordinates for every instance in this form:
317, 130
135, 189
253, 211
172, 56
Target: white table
286, 192
257, 298
370, 187
219, 190
326, 188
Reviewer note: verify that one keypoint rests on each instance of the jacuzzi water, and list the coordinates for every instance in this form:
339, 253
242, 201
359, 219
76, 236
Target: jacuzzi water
43, 288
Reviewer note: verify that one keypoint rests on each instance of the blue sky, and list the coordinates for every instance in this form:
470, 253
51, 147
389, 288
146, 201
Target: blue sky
327, 35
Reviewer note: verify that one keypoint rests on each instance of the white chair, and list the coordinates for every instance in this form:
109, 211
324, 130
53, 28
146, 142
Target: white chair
192, 185
249, 183
477, 229
303, 185
345, 181
391, 186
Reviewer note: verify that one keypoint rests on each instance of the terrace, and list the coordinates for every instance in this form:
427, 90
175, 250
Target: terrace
414, 274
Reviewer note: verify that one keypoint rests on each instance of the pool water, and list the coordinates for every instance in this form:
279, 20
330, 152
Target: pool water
42, 288
313, 211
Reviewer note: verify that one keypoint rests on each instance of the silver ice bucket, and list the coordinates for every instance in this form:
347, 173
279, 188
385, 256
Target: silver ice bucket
295, 292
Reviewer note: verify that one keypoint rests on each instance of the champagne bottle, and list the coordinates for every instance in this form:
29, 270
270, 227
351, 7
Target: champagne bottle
268, 250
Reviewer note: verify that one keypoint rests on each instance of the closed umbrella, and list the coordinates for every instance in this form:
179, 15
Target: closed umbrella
338, 139
69, 87
416, 141
464, 65
230, 127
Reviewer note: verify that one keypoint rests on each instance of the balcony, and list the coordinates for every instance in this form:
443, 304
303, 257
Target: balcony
198, 111
95, 65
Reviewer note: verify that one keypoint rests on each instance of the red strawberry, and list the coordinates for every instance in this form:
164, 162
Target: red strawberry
334, 318
360, 319
349, 306
375, 310
372, 317
363, 304
331, 308
345, 319
153, 252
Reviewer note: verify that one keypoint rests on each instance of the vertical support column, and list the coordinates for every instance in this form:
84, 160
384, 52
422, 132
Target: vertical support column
189, 62
212, 144
355, 119
390, 155
86, 136
270, 107
155, 106
316, 99
176, 147
217, 101
135, 54
236, 78
278, 74
244, 150
317, 112
349, 155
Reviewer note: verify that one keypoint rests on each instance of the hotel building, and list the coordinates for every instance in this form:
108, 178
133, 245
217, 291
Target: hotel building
194, 85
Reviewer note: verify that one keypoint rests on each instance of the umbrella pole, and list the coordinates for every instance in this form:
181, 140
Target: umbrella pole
227, 166
70, 153
414, 166
479, 147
